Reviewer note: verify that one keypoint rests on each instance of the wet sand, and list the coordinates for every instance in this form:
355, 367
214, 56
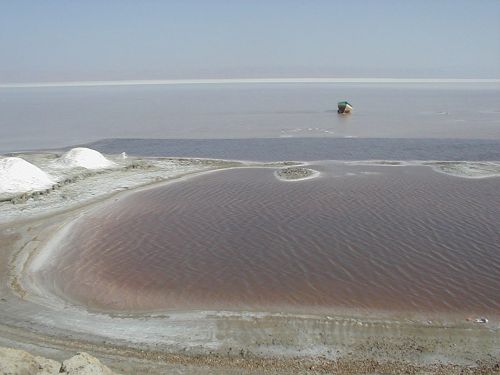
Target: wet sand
224, 342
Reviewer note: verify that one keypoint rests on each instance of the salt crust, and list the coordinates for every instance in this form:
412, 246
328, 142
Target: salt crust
19, 176
84, 158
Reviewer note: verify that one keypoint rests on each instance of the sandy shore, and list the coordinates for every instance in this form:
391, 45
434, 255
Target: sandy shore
196, 342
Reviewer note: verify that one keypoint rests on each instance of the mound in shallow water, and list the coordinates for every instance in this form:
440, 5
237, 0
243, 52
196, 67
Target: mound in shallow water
84, 158
19, 176
296, 173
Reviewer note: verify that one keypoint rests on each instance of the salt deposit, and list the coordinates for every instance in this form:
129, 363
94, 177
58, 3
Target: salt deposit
84, 158
19, 176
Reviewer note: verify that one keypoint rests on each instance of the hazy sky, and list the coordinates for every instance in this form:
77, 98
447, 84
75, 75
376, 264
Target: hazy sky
85, 40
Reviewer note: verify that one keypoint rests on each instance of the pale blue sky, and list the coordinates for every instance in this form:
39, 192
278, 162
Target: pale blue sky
100, 40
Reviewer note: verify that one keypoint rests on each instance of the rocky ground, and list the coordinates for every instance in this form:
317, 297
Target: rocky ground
19, 362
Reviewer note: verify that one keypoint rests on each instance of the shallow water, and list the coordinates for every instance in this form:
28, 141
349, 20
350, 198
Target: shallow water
364, 237
309, 149
36, 118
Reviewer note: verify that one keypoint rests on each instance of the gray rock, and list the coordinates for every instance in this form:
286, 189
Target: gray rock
84, 364
19, 362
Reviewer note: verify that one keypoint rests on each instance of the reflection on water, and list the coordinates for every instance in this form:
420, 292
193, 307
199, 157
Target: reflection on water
397, 238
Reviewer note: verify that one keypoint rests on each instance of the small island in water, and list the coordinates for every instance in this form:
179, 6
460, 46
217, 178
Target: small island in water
296, 173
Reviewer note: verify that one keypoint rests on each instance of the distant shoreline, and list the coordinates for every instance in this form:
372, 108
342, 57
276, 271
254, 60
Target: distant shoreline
218, 81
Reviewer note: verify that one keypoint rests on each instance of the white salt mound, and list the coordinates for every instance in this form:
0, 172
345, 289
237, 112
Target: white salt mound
19, 176
84, 158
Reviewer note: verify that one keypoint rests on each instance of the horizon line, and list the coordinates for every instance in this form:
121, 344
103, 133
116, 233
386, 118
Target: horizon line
204, 81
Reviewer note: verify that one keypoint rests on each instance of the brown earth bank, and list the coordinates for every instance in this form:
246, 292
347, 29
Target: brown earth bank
19, 362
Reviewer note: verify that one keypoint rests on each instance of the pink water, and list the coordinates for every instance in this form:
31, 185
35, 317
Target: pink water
395, 238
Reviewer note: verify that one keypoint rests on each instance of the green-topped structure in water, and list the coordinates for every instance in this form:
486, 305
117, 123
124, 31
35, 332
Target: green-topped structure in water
344, 107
